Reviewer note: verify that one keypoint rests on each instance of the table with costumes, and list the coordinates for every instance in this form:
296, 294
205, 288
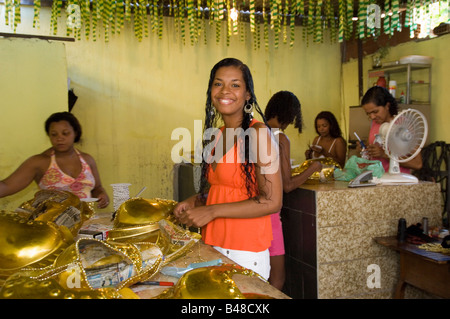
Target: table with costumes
56, 246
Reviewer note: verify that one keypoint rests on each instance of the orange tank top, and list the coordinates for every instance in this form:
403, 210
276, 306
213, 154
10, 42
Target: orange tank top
228, 185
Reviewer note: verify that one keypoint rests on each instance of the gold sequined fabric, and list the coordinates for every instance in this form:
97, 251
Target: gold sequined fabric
326, 174
29, 243
214, 282
90, 268
137, 219
60, 207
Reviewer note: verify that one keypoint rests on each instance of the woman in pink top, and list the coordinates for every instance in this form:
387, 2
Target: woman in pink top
284, 109
61, 167
381, 107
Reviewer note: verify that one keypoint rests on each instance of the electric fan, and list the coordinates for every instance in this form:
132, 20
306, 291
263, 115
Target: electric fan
404, 137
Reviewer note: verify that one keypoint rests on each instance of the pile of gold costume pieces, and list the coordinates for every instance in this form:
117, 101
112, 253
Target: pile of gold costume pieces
40, 257
325, 175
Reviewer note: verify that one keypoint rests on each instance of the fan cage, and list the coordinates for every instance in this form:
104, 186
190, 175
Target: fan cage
413, 123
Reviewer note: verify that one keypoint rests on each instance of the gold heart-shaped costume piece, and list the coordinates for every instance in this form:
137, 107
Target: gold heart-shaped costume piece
89, 268
328, 166
151, 220
137, 219
212, 282
28, 243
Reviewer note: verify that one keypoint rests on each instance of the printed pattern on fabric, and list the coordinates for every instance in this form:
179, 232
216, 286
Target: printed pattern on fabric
54, 178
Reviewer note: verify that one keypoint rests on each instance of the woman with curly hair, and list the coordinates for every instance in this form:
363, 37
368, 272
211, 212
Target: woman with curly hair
240, 186
282, 110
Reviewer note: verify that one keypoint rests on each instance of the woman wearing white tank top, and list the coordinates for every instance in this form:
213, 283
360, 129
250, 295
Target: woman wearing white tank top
329, 142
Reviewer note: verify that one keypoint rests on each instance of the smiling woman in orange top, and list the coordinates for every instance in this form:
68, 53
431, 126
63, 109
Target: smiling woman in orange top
238, 190
61, 167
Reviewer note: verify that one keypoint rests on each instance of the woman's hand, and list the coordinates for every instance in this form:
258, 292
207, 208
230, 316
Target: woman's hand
375, 150
181, 207
197, 217
308, 153
103, 200
316, 166
316, 148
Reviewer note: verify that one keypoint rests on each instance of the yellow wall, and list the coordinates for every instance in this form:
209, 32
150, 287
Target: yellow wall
439, 130
132, 95
33, 84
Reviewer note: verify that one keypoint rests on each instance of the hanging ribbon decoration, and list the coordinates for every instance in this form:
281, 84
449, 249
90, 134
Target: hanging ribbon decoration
342, 20
396, 25
37, 11
112, 14
318, 29
292, 23
387, 18
362, 13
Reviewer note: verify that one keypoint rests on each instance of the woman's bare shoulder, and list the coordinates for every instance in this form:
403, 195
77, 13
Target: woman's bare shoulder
341, 140
41, 160
87, 157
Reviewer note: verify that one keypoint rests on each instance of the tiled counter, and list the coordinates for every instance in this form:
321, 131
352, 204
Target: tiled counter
329, 230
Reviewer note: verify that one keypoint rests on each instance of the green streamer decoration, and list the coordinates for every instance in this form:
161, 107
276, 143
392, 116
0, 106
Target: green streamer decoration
362, 12
310, 25
252, 15
427, 14
331, 22
292, 23
278, 17
86, 17
349, 24
417, 14
284, 22
17, 15
395, 17
106, 12
318, 29
182, 21
161, 22
387, 18
221, 10
8, 10
191, 20
409, 21
277, 22
56, 13
120, 15
37, 11
265, 26
342, 21
127, 10
200, 19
